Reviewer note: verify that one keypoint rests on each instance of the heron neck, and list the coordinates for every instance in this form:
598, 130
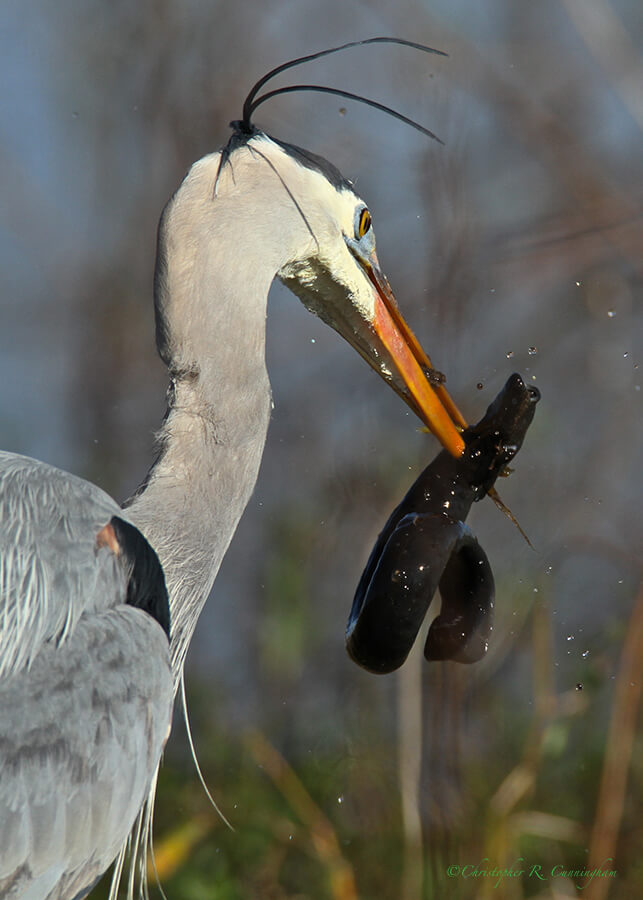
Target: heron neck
218, 252
212, 440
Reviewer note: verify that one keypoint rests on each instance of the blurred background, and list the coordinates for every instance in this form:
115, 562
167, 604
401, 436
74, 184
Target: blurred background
516, 246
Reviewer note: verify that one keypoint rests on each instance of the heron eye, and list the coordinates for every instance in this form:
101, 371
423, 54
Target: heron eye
364, 223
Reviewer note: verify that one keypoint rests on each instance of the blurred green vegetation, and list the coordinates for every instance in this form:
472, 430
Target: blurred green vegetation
522, 783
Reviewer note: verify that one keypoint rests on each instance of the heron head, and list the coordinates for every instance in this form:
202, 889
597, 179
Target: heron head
339, 277
334, 270
262, 208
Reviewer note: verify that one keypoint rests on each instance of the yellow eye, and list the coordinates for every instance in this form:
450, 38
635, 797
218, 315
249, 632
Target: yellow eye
364, 223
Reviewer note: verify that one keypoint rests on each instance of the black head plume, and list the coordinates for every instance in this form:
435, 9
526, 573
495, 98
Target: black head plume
244, 129
244, 125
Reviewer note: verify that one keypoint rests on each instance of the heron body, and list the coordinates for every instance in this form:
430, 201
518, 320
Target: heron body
87, 678
85, 689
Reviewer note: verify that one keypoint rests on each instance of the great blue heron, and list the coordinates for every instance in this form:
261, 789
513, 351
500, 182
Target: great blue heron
87, 676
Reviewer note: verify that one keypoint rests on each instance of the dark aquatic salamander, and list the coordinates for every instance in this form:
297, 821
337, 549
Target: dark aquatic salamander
426, 544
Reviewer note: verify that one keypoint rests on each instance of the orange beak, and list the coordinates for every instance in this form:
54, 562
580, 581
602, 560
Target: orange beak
432, 405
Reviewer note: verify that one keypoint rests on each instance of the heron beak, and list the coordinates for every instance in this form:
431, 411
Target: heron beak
432, 405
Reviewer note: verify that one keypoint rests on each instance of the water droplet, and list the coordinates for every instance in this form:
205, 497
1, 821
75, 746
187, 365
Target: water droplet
342, 110
480, 385
570, 637
532, 351
510, 354
579, 686
312, 340
585, 654
340, 799
578, 284
446, 504
610, 313
625, 355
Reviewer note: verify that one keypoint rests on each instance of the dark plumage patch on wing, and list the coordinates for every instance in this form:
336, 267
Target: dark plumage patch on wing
146, 588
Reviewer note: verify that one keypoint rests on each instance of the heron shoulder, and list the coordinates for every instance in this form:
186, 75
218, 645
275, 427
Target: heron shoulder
53, 570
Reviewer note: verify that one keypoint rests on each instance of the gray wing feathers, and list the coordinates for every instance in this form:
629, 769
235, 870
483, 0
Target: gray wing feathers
80, 739
85, 687
51, 570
